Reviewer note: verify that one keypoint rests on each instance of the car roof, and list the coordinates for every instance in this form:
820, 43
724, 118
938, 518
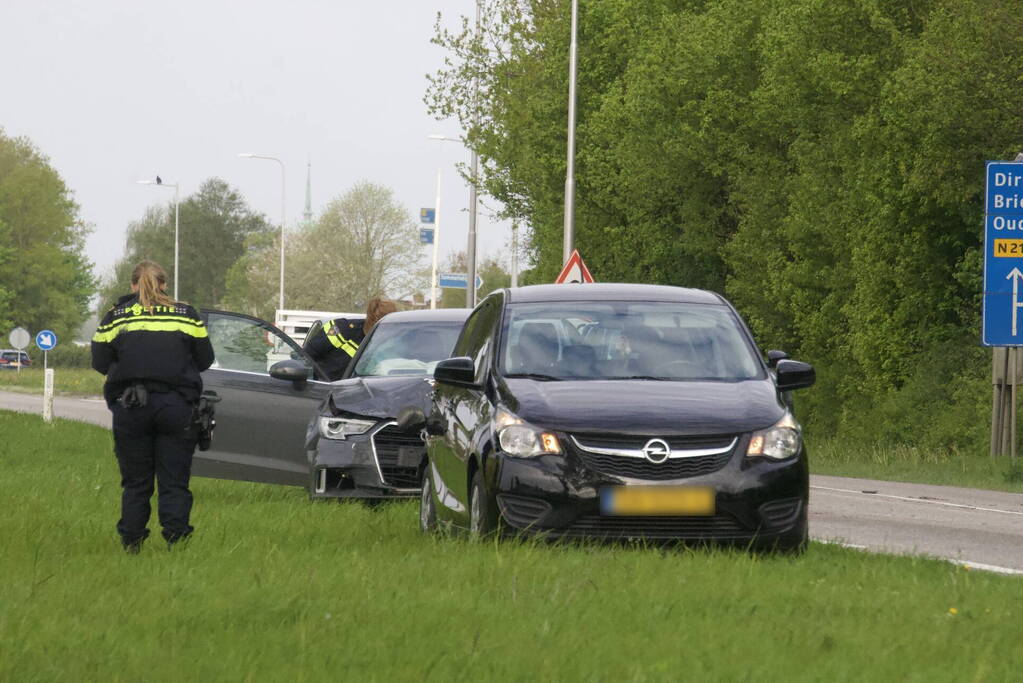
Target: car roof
611, 292
454, 315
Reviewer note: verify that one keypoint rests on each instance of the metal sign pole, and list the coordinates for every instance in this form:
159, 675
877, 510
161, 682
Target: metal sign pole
1012, 436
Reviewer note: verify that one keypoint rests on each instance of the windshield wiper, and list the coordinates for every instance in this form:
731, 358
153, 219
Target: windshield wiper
534, 375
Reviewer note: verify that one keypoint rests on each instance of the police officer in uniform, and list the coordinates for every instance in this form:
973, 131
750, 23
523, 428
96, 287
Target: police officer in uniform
152, 349
334, 346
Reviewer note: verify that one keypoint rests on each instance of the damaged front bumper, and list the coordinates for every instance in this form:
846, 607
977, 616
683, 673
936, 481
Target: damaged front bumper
383, 463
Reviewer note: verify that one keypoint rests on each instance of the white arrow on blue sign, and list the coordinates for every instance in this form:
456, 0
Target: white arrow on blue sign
457, 280
46, 340
1003, 254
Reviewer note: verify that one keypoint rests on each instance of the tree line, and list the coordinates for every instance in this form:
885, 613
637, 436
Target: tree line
820, 163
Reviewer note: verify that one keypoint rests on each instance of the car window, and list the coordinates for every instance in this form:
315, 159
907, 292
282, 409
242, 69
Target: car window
248, 345
623, 339
412, 348
477, 338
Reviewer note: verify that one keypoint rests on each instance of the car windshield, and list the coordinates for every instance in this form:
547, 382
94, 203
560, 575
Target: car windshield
412, 348
626, 340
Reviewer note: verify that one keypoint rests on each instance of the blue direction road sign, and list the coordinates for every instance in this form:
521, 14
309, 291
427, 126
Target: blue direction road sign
427, 216
46, 340
426, 235
1003, 255
457, 280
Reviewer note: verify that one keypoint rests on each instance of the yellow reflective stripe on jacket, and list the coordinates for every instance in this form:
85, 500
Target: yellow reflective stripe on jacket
338, 341
173, 318
192, 328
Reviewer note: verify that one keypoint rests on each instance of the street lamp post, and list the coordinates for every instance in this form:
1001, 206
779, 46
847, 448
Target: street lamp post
470, 252
269, 158
569, 243
434, 289
159, 181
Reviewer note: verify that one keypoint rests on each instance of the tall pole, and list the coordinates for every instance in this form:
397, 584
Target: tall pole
434, 289
176, 242
280, 304
159, 182
470, 250
569, 245
515, 255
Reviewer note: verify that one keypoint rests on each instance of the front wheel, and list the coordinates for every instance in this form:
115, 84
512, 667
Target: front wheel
482, 515
427, 508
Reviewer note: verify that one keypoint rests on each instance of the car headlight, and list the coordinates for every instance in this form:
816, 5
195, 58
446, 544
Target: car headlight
519, 438
343, 427
782, 440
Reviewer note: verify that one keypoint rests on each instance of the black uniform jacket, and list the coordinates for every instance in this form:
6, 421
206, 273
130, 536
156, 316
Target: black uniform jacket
167, 345
335, 345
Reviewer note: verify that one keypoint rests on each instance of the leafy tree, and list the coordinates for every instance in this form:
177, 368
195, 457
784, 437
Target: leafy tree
215, 224
365, 244
45, 279
819, 162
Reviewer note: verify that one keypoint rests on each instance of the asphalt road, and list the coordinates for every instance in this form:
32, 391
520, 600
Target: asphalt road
979, 528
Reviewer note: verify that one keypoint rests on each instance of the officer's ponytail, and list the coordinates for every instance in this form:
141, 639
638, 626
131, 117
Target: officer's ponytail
151, 279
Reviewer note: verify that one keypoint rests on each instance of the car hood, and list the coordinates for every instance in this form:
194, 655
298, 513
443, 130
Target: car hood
379, 396
644, 407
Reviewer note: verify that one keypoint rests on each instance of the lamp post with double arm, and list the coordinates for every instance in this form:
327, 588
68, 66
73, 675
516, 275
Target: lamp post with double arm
159, 181
249, 155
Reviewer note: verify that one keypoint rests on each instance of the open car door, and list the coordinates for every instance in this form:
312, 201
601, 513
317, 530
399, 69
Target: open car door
261, 421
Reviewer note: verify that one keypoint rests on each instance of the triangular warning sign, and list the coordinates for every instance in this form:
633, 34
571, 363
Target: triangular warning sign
574, 271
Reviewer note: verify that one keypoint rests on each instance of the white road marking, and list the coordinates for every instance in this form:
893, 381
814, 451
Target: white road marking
919, 500
969, 564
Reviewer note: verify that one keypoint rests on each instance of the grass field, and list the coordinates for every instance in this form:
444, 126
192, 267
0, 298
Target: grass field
66, 381
275, 588
905, 463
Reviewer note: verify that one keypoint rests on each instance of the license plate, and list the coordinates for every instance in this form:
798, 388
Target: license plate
638, 501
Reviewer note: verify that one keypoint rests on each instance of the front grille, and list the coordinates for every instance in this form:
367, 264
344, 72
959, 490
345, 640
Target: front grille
636, 468
400, 455
720, 526
641, 468
677, 443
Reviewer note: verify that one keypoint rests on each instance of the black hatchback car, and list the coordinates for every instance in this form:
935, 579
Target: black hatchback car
616, 411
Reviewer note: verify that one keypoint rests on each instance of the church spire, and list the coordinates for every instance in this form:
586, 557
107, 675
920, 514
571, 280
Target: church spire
308, 213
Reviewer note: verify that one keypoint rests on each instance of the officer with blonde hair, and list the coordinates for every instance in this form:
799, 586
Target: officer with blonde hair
338, 340
152, 349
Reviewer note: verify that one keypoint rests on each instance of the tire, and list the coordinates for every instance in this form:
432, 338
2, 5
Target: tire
427, 507
482, 515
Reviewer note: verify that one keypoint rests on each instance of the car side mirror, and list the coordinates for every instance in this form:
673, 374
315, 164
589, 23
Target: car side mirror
793, 374
459, 372
773, 356
411, 419
290, 370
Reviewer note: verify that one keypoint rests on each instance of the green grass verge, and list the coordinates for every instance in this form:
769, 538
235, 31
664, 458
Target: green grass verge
275, 588
66, 381
907, 463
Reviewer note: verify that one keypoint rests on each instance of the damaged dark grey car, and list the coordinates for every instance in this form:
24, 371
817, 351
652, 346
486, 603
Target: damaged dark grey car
359, 447
280, 422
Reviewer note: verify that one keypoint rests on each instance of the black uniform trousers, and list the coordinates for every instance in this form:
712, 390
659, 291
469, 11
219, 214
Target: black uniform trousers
157, 439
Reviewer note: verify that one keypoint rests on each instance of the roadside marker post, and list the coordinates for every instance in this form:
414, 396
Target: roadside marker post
46, 340
1001, 326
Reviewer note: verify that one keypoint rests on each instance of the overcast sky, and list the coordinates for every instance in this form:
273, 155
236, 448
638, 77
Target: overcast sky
114, 92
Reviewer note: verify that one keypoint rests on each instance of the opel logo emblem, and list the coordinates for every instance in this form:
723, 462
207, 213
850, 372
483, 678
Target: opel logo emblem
656, 451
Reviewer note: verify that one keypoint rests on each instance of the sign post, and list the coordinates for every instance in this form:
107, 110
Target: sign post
1003, 271
46, 340
19, 339
457, 280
